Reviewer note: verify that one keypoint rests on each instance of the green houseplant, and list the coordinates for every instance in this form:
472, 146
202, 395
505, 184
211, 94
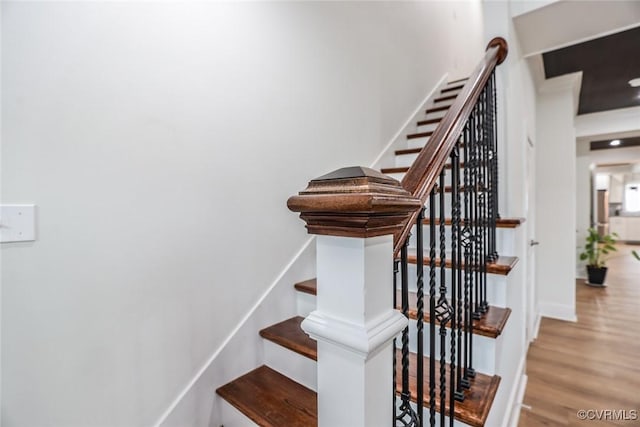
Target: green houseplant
636, 255
595, 251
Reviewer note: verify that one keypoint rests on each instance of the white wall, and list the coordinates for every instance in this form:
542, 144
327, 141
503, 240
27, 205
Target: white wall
556, 200
583, 202
160, 142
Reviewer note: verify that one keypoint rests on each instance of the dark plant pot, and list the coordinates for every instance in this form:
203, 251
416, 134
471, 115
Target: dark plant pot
596, 275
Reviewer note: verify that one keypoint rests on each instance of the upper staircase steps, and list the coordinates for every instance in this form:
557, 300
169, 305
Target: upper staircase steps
271, 399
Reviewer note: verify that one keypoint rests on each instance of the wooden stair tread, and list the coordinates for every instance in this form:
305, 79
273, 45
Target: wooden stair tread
474, 410
452, 88
413, 150
436, 109
500, 222
408, 151
289, 334
429, 121
464, 79
307, 286
445, 98
502, 266
490, 325
270, 399
419, 135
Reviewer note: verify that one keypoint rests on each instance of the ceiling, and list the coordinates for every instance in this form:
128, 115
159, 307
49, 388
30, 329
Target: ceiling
607, 64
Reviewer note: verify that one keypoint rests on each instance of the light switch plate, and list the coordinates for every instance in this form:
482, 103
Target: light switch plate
17, 223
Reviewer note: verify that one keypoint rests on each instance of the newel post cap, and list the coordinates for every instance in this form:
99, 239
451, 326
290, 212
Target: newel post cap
354, 202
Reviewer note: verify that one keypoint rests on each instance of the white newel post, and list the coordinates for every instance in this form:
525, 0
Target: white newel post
355, 212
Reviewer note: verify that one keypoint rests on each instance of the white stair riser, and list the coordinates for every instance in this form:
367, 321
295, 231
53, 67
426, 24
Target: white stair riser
405, 160
427, 128
484, 348
496, 284
417, 142
291, 364
231, 417
436, 114
504, 239
305, 304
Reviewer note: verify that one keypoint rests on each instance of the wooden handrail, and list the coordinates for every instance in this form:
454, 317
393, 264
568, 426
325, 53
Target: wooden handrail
423, 174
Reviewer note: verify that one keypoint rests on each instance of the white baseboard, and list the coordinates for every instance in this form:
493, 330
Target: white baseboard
515, 416
558, 311
516, 395
536, 326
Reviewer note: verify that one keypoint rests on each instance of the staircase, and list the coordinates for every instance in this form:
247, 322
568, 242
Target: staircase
282, 392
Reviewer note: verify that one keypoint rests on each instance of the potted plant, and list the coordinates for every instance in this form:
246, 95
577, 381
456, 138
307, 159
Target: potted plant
636, 255
595, 252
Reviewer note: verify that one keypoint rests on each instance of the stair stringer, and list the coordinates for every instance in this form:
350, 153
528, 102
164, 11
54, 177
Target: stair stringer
512, 350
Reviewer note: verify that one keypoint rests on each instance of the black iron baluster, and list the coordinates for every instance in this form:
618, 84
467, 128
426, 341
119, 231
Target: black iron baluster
490, 176
467, 241
443, 309
473, 223
456, 273
420, 315
484, 306
455, 208
482, 250
432, 308
475, 159
407, 416
494, 142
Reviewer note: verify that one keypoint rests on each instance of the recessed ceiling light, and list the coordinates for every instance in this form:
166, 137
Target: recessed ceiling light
634, 82
614, 142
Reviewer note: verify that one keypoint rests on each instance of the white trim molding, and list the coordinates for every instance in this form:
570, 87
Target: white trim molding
558, 311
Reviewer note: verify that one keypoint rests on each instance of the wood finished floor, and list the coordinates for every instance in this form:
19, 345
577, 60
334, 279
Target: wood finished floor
594, 363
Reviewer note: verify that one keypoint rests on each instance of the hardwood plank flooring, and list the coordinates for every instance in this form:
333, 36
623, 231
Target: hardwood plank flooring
593, 364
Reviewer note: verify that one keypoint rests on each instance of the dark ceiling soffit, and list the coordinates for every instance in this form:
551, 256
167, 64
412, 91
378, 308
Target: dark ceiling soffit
607, 63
